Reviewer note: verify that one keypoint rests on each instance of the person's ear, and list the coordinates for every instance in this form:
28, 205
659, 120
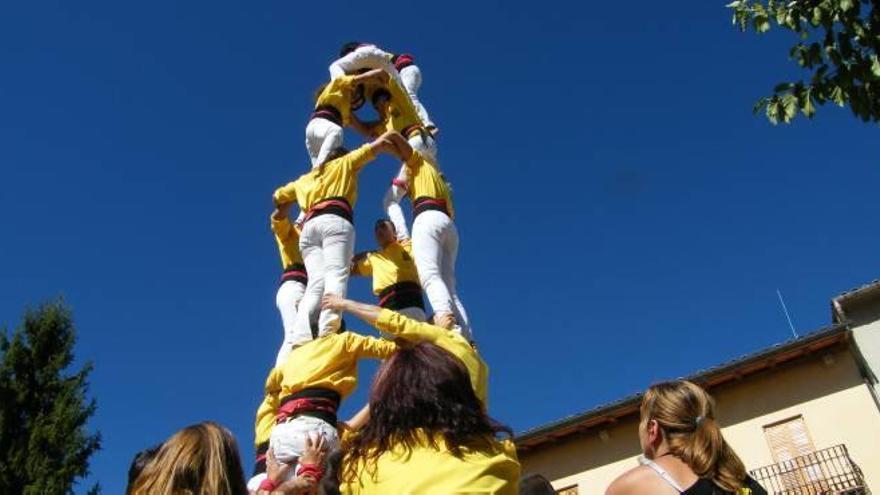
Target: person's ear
655, 434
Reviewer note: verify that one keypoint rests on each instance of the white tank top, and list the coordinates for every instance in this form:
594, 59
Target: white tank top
644, 461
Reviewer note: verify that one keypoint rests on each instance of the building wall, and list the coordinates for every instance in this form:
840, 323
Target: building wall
827, 390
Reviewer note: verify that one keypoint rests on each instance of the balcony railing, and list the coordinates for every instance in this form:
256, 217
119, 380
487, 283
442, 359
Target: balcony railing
826, 471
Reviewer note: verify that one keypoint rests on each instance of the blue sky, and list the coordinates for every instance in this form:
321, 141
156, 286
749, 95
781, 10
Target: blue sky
624, 217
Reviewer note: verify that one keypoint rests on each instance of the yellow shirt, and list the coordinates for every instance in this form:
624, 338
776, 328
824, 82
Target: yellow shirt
287, 238
485, 468
336, 178
414, 331
337, 94
329, 362
401, 113
426, 181
390, 265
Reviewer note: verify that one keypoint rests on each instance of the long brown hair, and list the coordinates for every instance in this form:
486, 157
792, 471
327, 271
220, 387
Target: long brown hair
421, 389
201, 459
686, 415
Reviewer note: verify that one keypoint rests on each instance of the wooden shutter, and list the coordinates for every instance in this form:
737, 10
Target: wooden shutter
788, 439
792, 450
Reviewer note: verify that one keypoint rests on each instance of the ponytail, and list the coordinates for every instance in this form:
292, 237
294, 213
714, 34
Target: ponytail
686, 414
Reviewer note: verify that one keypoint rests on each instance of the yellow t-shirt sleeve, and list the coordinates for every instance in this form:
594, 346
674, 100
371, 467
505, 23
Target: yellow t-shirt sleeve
281, 228
268, 408
334, 92
369, 347
360, 157
285, 194
407, 328
361, 265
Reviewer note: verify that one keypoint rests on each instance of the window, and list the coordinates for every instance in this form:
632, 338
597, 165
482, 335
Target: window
788, 439
569, 490
791, 447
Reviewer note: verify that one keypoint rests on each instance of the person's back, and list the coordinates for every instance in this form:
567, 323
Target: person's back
427, 433
486, 466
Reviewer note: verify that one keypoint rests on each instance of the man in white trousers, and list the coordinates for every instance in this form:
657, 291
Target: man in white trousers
334, 103
435, 237
293, 278
327, 194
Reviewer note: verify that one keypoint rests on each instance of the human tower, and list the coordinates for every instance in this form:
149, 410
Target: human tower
316, 365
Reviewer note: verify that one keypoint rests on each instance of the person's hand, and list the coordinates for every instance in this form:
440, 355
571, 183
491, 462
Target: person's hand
383, 77
445, 320
276, 471
333, 302
314, 451
280, 212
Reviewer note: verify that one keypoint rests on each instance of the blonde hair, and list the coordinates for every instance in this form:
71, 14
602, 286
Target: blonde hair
686, 415
201, 459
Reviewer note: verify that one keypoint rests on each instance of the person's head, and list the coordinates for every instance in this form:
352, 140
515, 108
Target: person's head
201, 459
385, 232
138, 463
348, 48
380, 99
420, 389
679, 417
535, 484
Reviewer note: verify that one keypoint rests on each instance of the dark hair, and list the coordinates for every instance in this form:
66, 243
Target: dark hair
379, 94
535, 484
137, 464
383, 221
329, 484
420, 388
348, 48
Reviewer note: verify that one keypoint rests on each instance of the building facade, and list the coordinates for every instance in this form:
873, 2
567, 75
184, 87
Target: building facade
804, 416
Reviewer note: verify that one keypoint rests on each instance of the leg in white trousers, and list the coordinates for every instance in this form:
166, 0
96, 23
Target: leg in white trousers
412, 81
395, 194
327, 246
322, 137
435, 248
289, 294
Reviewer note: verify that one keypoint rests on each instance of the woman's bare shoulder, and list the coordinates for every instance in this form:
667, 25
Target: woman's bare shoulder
637, 480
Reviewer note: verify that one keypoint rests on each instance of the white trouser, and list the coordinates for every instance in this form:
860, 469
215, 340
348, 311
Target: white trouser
327, 246
435, 247
412, 81
287, 298
414, 312
288, 440
322, 137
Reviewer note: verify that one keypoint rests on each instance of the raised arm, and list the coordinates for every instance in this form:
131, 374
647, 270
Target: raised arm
377, 75
360, 264
386, 320
401, 146
363, 56
369, 347
285, 195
